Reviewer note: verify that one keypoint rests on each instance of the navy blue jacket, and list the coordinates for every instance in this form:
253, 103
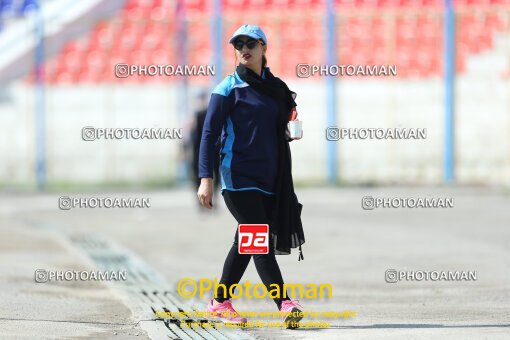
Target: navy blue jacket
247, 121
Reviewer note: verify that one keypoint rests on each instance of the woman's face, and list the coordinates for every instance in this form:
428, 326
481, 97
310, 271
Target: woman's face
250, 57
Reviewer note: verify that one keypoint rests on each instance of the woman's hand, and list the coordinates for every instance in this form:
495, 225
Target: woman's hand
205, 192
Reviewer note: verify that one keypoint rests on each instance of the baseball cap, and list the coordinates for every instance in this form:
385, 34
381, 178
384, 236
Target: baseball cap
252, 31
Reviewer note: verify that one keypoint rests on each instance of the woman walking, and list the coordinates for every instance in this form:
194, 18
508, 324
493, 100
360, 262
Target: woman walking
250, 109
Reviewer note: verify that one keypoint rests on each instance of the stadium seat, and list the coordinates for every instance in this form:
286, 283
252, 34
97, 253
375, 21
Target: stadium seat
195, 6
145, 31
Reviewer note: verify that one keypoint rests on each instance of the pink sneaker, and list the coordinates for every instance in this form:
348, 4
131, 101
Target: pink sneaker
225, 311
294, 315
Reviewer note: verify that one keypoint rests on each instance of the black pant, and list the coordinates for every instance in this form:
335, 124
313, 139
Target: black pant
252, 207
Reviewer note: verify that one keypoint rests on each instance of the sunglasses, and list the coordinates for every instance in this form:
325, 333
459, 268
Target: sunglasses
250, 43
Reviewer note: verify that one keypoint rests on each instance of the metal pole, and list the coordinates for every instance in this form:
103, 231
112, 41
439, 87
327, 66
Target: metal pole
40, 121
331, 102
182, 91
217, 39
449, 69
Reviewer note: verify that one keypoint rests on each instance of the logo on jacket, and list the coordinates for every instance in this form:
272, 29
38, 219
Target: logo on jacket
253, 238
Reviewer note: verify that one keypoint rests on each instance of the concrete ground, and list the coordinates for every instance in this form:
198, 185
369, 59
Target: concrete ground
346, 246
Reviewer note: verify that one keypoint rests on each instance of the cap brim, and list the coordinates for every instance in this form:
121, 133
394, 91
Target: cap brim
240, 35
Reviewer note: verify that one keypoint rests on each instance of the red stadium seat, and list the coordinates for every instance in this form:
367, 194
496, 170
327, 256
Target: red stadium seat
65, 77
280, 4
460, 65
139, 57
163, 56
161, 13
154, 36
234, 5
94, 59
308, 4
494, 22
433, 3
376, 32
50, 70
259, 4
410, 3
306, 33
344, 3
89, 75
195, 6
388, 3
101, 39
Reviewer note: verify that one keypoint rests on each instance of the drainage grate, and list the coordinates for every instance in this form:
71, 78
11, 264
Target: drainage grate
144, 292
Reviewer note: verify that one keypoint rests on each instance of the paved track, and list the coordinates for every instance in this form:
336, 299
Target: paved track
346, 246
